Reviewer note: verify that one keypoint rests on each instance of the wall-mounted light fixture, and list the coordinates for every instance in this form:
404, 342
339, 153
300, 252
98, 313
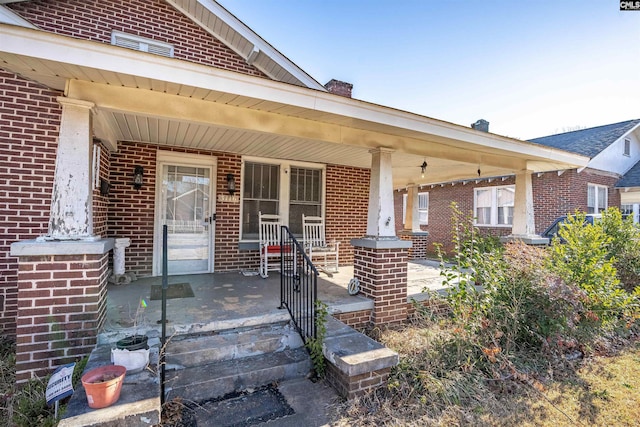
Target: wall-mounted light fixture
423, 167
138, 174
231, 184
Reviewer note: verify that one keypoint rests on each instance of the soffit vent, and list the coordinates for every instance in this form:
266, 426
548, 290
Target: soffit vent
141, 44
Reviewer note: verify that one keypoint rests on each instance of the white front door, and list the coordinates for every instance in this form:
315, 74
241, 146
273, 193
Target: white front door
185, 203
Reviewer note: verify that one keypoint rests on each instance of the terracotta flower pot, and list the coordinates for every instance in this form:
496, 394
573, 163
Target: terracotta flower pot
102, 385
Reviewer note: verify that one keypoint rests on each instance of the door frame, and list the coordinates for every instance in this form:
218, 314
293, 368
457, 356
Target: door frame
183, 159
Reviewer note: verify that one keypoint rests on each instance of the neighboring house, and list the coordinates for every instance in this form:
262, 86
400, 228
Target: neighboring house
119, 117
611, 178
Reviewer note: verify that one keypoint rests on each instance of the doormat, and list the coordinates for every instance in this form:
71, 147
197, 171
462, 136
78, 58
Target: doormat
176, 290
243, 409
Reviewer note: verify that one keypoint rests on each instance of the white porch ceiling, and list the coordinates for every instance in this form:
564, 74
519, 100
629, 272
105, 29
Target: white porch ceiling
143, 97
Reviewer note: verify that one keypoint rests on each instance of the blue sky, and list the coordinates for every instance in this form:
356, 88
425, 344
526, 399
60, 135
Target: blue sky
531, 68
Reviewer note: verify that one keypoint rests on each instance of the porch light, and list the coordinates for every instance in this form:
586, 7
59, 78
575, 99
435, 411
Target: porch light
138, 173
231, 184
423, 167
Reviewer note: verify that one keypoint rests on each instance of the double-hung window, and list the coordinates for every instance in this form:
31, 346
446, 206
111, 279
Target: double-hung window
596, 198
493, 206
284, 188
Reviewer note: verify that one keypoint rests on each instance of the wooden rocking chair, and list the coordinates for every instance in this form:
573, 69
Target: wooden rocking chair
322, 253
269, 235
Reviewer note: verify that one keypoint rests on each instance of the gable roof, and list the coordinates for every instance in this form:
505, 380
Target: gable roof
224, 26
588, 142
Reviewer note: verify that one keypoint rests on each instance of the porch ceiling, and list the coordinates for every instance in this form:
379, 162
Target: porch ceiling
144, 97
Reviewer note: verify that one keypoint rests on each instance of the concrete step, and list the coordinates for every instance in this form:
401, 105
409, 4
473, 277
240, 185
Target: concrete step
220, 378
203, 349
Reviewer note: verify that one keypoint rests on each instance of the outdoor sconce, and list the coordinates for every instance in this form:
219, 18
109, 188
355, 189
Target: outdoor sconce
138, 173
231, 184
423, 167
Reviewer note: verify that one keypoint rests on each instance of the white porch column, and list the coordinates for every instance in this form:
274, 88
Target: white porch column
71, 205
381, 218
524, 227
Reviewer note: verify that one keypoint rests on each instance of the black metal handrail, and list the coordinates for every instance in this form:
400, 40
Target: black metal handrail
298, 285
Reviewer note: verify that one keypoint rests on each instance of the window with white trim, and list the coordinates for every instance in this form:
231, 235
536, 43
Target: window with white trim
288, 190
493, 206
627, 147
143, 44
596, 198
423, 208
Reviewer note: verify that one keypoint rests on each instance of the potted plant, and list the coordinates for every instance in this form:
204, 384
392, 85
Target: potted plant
132, 351
103, 385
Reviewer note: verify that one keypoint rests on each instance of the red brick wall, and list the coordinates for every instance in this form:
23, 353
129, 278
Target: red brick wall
131, 212
154, 19
29, 126
100, 202
553, 196
62, 302
346, 211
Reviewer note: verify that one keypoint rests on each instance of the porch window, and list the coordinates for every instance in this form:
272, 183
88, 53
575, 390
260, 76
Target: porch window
261, 193
306, 196
493, 206
281, 188
596, 198
423, 208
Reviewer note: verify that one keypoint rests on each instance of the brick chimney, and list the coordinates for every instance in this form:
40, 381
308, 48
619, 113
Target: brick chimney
481, 125
337, 87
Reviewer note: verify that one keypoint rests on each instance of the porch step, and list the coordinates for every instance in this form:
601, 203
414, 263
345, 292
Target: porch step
220, 378
196, 350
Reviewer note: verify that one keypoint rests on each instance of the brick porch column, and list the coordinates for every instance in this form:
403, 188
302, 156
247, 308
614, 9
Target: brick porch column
420, 241
380, 257
62, 290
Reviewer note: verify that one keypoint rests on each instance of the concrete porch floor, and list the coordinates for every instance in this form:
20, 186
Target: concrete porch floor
233, 299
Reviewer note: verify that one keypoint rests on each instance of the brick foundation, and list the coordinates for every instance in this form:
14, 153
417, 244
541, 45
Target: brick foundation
354, 386
356, 319
62, 303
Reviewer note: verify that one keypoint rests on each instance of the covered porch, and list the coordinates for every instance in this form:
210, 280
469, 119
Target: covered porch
230, 300
129, 120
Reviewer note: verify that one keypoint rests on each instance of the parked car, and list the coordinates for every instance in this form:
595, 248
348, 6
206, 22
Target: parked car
553, 229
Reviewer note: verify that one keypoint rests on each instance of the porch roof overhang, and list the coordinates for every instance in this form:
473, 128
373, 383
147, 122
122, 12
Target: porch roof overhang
149, 98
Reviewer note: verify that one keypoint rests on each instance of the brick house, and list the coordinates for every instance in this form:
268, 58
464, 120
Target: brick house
611, 178
118, 117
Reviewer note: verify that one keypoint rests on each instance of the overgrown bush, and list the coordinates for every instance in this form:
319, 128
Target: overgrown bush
587, 259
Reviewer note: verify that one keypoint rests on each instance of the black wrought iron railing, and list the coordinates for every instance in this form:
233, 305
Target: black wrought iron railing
298, 285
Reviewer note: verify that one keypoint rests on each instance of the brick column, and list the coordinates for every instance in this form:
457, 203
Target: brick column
381, 268
62, 299
420, 243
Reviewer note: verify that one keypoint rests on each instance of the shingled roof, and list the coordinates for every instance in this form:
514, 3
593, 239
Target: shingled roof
588, 142
631, 178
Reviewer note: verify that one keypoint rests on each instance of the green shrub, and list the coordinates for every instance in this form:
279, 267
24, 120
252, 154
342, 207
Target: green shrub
586, 259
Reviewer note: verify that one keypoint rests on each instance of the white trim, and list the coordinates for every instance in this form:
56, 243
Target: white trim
141, 44
284, 199
241, 29
82, 53
8, 16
